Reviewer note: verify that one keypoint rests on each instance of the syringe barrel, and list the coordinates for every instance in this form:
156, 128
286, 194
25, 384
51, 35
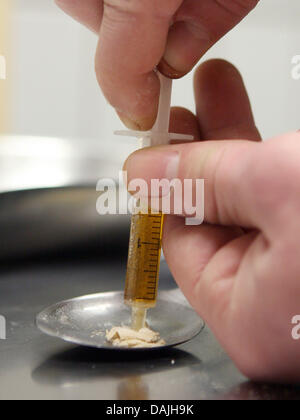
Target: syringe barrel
144, 260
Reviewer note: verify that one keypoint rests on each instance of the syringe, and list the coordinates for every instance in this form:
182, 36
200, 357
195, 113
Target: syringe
143, 265
147, 227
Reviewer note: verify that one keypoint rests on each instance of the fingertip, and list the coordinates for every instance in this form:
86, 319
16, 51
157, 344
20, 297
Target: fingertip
223, 107
214, 69
128, 162
169, 71
151, 163
139, 124
183, 121
135, 97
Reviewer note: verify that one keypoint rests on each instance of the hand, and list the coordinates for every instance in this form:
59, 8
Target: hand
137, 35
241, 269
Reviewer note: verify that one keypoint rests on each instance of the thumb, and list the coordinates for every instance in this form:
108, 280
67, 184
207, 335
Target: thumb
226, 168
132, 41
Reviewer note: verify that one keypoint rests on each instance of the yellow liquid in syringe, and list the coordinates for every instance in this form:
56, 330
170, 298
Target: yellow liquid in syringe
143, 265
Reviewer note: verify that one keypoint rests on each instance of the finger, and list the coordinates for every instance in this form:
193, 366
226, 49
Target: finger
132, 41
198, 257
197, 27
223, 106
87, 12
226, 167
183, 121
206, 262
195, 247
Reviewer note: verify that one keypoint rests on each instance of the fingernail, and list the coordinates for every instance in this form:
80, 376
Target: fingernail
172, 165
152, 164
141, 124
167, 70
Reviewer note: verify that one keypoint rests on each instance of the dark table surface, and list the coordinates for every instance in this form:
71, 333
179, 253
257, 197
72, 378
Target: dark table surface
34, 366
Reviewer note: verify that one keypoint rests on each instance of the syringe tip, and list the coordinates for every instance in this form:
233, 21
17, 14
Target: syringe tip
138, 320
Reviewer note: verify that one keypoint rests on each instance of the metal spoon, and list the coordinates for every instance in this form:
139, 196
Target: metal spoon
84, 320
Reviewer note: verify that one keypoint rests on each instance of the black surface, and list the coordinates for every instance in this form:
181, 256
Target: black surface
34, 366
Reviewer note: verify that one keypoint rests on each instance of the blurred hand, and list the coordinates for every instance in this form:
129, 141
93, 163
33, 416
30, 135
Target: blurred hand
241, 269
135, 36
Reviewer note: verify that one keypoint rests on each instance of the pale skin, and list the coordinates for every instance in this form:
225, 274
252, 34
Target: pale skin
240, 269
